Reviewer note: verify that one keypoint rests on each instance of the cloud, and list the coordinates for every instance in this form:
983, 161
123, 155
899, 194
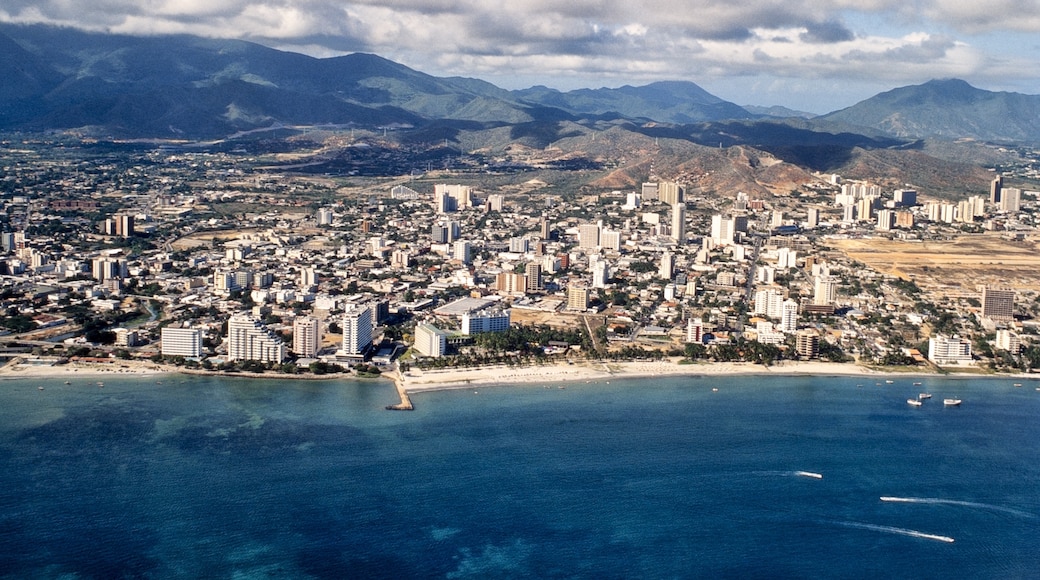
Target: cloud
599, 42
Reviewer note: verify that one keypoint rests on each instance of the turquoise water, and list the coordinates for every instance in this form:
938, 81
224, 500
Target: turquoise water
660, 478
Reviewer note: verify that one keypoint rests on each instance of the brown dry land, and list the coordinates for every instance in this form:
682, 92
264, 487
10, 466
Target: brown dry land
951, 267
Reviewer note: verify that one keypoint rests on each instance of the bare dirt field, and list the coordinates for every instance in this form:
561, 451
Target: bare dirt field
951, 267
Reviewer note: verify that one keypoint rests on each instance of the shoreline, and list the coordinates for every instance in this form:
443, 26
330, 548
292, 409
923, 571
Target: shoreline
417, 381
558, 373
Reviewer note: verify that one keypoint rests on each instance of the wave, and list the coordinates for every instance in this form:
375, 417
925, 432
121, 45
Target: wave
894, 530
940, 501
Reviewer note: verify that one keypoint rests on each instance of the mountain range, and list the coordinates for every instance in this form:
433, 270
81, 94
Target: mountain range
197, 88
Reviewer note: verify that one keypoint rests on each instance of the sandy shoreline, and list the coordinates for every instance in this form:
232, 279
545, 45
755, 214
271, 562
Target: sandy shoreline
556, 374
417, 381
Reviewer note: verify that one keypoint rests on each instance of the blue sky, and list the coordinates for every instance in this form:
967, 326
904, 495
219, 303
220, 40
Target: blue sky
813, 55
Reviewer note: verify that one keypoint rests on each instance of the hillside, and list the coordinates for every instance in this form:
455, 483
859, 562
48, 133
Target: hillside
950, 109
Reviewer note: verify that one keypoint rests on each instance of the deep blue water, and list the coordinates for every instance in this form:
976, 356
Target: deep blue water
229, 478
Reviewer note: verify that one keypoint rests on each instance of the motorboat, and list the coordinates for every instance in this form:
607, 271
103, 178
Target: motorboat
913, 402
923, 396
951, 402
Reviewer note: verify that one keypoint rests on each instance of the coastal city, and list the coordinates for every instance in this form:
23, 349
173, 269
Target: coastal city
239, 261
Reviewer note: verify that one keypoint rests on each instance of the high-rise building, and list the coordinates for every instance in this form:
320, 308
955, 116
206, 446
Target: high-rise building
944, 349
610, 240
588, 236
577, 298
679, 222
825, 290
250, 339
722, 230
649, 191
807, 344
600, 274
1010, 199
306, 336
533, 273
124, 225
1007, 340
813, 218
186, 342
786, 258
670, 192
430, 340
324, 216
481, 322
788, 316
308, 277
545, 231
519, 245
667, 266
886, 220
357, 330
998, 304
995, 187
460, 251
769, 302
904, 197
695, 330
511, 283
495, 202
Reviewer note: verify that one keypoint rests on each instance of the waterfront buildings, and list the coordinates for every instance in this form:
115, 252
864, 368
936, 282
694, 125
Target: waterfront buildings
357, 330
249, 339
998, 304
306, 336
946, 350
186, 342
430, 340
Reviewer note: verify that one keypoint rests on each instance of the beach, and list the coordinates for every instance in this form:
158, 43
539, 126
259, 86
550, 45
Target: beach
417, 380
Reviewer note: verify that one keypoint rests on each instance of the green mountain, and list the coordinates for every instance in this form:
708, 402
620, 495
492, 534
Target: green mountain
950, 109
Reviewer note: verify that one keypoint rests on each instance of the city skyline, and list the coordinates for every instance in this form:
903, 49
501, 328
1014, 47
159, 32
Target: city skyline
817, 57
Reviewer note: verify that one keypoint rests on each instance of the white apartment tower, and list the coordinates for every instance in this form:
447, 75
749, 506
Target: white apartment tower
249, 339
186, 342
306, 336
357, 330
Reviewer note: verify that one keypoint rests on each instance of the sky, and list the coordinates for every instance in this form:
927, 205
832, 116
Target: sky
808, 55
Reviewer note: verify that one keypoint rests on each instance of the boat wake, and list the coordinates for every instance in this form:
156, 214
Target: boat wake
972, 504
899, 531
790, 474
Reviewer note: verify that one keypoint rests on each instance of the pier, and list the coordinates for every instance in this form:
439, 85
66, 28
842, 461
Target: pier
406, 402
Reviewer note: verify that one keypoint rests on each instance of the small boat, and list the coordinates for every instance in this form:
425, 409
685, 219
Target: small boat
715, 389
913, 402
951, 402
923, 396
888, 382
1018, 384
40, 388
917, 384
67, 383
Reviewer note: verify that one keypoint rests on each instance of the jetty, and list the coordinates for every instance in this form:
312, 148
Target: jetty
406, 402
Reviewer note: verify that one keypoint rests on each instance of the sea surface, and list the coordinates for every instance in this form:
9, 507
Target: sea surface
769, 477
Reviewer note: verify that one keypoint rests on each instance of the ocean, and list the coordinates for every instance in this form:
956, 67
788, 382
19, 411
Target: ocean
769, 477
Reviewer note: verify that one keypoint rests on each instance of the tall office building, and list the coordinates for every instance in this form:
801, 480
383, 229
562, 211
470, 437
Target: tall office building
994, 189
998, 304
695, 330
124, 225
722, 230
610, 240
306, 336
1010, 199
511, 283
357, 330
670, 192
588, 236
533, 273
324, 216
250, 339
679, 222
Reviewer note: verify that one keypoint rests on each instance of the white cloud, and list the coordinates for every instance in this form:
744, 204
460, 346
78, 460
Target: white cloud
602, 41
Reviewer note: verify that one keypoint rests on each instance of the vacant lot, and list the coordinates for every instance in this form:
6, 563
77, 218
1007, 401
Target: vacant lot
953, 266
